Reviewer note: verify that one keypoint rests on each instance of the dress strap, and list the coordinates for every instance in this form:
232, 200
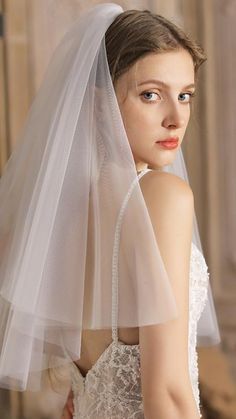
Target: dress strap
115, 258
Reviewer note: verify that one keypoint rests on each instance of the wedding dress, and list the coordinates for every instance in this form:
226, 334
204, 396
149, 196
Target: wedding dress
112, 387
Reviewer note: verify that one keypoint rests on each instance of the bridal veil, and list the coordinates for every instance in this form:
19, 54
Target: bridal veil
61, 194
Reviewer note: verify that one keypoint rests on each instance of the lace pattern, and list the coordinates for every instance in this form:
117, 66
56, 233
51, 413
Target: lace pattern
199, 278
112, 388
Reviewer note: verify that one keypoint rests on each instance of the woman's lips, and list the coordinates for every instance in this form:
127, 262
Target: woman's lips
168, 144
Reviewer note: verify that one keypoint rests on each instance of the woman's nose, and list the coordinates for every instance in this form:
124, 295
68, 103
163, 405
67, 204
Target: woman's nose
174, 118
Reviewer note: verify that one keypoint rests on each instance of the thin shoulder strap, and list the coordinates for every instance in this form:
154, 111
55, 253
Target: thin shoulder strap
115, 259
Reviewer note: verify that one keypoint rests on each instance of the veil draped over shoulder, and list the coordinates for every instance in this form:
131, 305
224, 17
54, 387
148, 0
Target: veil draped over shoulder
61, 195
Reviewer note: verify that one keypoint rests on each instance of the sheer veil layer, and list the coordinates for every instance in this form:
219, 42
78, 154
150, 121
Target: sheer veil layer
61, 194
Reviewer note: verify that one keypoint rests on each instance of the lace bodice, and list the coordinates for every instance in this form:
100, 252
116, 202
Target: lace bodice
112, 387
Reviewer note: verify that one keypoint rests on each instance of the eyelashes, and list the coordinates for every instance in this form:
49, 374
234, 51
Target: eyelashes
190, 94
148, 96
149, 93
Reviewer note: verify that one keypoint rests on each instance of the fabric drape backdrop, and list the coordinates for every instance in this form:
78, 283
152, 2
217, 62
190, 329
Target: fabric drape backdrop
31, 31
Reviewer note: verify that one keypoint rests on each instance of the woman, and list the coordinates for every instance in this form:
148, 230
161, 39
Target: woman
153, 67
112, 279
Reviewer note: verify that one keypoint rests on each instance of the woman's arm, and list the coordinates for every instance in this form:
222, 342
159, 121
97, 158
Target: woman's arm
165, 379
68, 408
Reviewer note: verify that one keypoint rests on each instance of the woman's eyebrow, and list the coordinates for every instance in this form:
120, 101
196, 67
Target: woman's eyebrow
163, 84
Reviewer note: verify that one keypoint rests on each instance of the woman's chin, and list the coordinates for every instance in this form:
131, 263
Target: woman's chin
162, 162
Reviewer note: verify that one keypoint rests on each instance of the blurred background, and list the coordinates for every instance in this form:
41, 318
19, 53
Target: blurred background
29, 32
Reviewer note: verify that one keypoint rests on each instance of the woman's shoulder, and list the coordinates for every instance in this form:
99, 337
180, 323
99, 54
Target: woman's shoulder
165, 187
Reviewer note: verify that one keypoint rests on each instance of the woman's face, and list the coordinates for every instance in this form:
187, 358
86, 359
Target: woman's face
154, 98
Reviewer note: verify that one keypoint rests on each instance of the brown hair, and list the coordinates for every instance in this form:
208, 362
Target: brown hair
135, 33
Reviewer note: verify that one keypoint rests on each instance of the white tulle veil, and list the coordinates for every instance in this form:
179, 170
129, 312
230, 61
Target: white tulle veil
61, 193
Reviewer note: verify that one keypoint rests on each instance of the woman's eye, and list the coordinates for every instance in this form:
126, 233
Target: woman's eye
187, 96
150, 96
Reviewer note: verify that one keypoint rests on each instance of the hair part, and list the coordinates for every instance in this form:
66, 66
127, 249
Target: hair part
134, 34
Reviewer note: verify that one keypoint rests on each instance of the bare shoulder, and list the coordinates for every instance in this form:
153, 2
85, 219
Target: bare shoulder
165, 189
170, 203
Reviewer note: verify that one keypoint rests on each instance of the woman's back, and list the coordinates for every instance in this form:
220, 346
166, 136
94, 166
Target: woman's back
95, 342
107, 379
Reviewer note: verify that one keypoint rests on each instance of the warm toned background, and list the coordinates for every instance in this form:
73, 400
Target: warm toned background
31, 29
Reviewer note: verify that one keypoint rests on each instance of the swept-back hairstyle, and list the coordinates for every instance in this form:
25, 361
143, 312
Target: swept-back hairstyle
135, 33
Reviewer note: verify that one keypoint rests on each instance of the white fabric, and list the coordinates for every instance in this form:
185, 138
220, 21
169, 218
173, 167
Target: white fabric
62, 194
112, 387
